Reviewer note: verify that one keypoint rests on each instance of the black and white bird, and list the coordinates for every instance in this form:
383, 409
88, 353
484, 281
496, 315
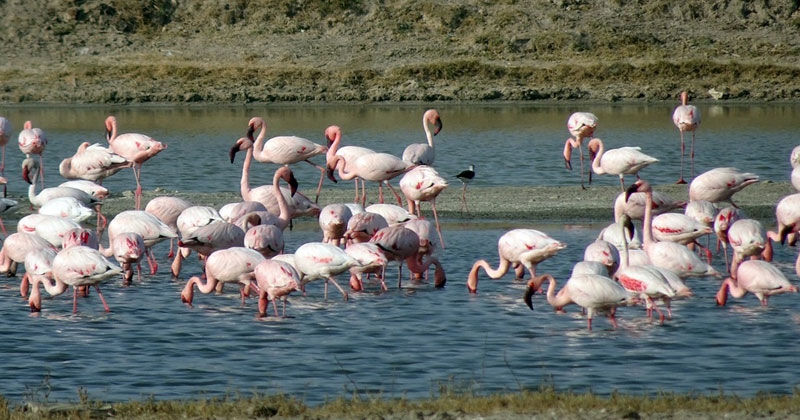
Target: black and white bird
465, 177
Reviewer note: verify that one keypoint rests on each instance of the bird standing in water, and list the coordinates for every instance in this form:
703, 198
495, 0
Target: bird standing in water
465, 177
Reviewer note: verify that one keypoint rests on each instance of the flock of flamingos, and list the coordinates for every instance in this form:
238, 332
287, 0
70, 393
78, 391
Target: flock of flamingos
242, 243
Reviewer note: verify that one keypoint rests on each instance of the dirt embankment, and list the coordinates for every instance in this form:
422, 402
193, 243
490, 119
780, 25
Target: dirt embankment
235, 51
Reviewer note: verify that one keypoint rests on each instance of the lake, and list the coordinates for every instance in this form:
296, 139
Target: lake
410, 342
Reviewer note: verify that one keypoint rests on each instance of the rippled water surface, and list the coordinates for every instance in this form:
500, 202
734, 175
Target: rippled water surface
410, 341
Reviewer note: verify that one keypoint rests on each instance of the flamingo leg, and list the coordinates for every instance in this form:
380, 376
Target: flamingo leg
74, 299
151, 260
683, 149
436, 219
691, 157
102, 299
321, 177
332, 280
137, 172
396, 195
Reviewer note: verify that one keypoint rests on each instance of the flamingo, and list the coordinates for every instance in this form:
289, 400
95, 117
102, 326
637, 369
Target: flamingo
622, 161
54, 228
787, 216
757, 277
71, 208
333, 221
94, 189
748, 238
167, 209
603, 252
282, 150
701, 210
83, 266
230, 265
466, 176
527, 247
5, 205
680, 228
276, 280
670, 255
371, 260
724, 219
362, 226
400, 244
231, 212
93, 162
39, 270
374, 167
129, 249
686, 118
266, 239
392, 214
16, 246
317, 260
350, 153
421, 153
207, 239
581, 125
32, 141
633, 206
265, 193
135, 147
720, 184
595, 293
152, 229
423, 183
80, 236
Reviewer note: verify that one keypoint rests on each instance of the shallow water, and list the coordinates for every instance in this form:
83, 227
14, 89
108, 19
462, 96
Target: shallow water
411, 341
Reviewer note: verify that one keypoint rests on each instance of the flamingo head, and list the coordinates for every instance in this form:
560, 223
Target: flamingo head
333, 134
254, 124
243, 143
432, 117
331, 166
639, 186
30, 170
111, 126
286, 174
594, 148
530, 290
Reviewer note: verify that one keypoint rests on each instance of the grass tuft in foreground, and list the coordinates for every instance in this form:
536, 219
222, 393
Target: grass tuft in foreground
544, 401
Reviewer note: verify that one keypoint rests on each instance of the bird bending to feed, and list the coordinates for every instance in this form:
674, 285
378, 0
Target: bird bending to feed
686, 118
423, 183
621, 161
275, 280
318, 260
230, 265
424, 153
527, 247
595, 293
83, 266
581, 125
93, 162
757, 277
135, 147
32, 141
466, 176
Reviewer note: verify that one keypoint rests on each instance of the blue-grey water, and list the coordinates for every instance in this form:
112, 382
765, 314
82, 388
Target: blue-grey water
413, 341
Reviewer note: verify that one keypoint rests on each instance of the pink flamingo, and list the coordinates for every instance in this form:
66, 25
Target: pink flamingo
422, 153
527, 247
371, 260
266, 193
720, 184
53, 229
317, 260
700, 210
94, 189
79, 266
167, 209
670, 255
787, 216
16, 246
592, 292
333, 222
581, 125
350, 153
276, 280
80, 236
748, 238
32, 141
605, 253
724, 219
282, 150
362, 226
622, 161
135, 147
686, 118
93, 163
680, 228
266, 239
757, 277
207, 239
402, 244
129, 249
39, 270
231, 212
152, 230
5, 204
230, 265
634, 205
375, 167
423, 183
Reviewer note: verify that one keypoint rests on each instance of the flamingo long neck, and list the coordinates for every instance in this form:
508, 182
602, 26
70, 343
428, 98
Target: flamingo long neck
472, 278
258, 145
556, 300
285, 214
334, 147
647, 223
596, 162
54, 287
341, 163
112, 134
244, 184
32, 197
428, 132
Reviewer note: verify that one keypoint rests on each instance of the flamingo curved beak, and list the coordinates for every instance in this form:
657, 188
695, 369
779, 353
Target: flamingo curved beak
529, 292
437, 126
293, 184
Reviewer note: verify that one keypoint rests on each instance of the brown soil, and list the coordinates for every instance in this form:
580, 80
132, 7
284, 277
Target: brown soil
236, 51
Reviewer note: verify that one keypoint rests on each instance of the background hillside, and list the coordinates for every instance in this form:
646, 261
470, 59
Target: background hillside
229, 51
